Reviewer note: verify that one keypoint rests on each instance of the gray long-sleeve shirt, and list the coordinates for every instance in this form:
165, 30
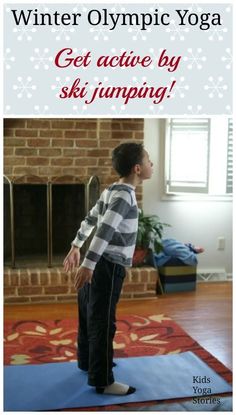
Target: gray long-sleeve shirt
116, 217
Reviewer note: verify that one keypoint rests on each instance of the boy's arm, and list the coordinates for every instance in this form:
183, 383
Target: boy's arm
72, 259
115, 213
86, 226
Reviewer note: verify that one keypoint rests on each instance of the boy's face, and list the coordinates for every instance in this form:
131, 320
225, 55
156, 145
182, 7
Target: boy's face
146, 168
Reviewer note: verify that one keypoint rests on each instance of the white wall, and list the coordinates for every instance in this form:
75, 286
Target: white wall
199, 222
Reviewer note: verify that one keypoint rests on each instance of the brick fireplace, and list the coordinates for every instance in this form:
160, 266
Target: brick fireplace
46, 150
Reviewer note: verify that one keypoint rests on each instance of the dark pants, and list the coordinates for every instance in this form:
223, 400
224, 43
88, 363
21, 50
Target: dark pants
97, 317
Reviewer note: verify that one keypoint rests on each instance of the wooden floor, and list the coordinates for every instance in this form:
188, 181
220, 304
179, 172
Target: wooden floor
206, 314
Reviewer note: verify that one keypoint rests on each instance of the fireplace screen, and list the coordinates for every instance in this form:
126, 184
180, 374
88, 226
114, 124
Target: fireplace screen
41, 218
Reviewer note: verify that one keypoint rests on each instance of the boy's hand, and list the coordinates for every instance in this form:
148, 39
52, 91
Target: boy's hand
72, 259
82, 276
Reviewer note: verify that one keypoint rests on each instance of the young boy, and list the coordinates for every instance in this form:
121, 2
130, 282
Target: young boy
99, 278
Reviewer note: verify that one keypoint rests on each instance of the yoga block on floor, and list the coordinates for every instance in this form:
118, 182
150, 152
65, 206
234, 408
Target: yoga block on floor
178, 278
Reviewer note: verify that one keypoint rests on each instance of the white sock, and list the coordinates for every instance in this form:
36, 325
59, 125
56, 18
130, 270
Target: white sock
116, 388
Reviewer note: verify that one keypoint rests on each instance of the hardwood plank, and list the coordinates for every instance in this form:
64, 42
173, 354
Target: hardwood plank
205, 314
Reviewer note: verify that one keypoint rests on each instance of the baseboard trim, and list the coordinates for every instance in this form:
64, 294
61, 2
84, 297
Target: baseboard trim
212, 275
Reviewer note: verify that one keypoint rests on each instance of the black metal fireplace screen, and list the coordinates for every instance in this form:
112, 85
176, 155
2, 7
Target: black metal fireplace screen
41, 217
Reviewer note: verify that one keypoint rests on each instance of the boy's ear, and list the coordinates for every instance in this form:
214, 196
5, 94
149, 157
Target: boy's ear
137, 169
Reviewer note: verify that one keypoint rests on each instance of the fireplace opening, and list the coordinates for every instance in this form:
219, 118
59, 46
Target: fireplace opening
68, 210
30, 223
7, 222
41, 218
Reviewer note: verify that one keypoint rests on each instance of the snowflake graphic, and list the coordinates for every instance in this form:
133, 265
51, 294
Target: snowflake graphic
179, 87
216, 88
40, 58
176, 32
118, 110
41, 110
7, 109
217, 33
24, 87
80, 7
228, 109
8, 59
139, 82
228, 58
138, 34
117, 7
63, 33
156, 109
228, 9
195, 111
79, 110
195, 7
157, 7
116, 51
100, 33
155, 57
24, 32
98, 80
59, 84
42, 7
195, 59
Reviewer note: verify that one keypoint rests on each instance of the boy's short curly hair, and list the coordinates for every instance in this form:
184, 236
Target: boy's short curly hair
126, 156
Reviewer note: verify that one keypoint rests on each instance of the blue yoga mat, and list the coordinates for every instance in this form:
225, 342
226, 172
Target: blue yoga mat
62, 385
